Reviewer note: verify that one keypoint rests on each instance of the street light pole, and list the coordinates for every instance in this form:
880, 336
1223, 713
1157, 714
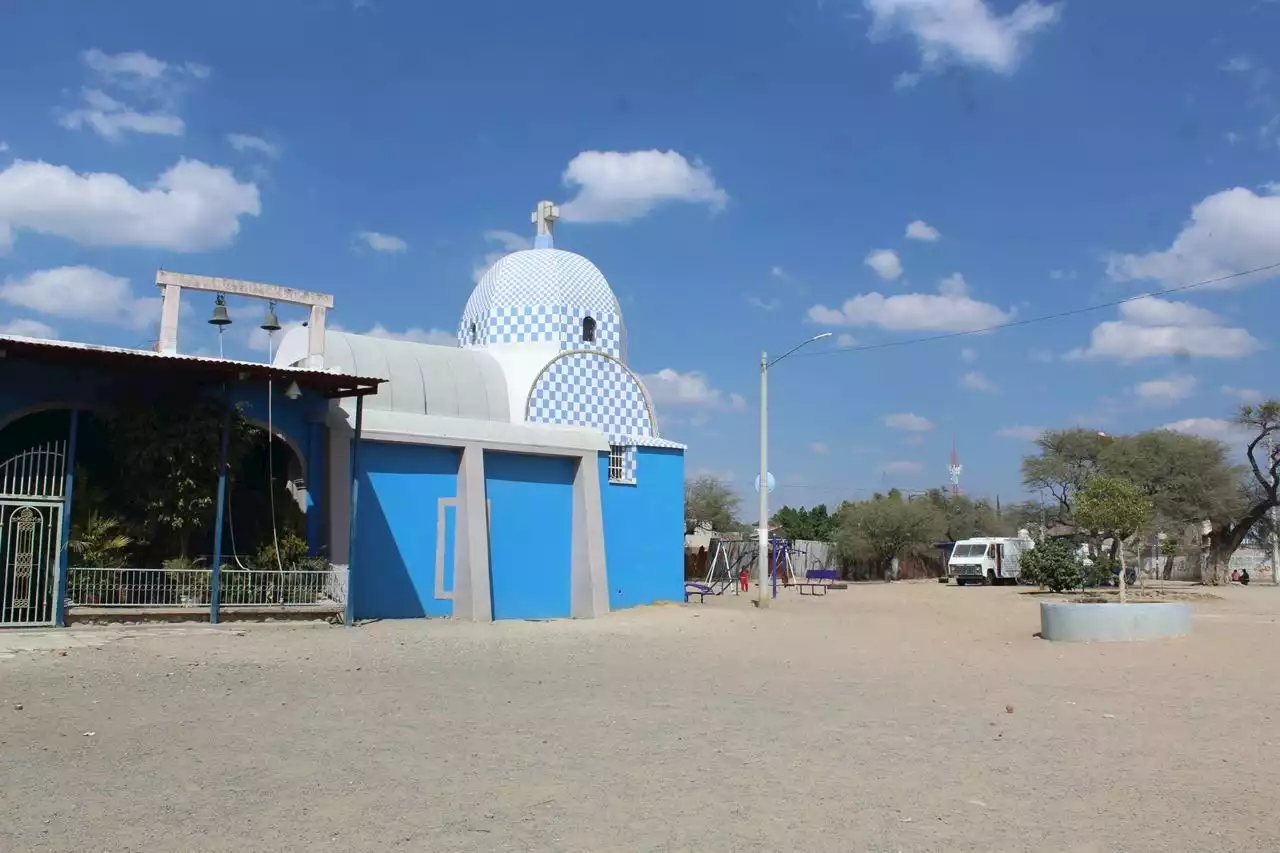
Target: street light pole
762, 559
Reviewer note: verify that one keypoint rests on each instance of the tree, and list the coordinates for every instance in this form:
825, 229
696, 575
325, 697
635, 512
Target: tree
708, 501
1067, 459
964, 517
1228, 530
814, 524
1109, 507
167, 448
887, 527
1188, 480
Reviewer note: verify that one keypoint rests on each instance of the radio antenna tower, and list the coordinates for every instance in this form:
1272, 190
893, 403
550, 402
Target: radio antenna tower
955, 469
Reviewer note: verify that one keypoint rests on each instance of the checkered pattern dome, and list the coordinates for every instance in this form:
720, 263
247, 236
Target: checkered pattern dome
589, 389
543, 296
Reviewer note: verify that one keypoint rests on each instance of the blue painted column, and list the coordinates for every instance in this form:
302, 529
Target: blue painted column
216, 591
315, 477
349, 617
68, 486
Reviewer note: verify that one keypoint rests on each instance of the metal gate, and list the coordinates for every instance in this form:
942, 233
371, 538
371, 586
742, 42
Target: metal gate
31, 492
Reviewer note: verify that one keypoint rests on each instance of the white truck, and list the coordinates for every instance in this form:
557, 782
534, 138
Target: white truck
989, 559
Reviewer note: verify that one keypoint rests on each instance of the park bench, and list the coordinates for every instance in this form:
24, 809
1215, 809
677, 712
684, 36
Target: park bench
699, 589
817, 581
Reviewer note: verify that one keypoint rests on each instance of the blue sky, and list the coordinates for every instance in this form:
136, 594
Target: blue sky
745, 174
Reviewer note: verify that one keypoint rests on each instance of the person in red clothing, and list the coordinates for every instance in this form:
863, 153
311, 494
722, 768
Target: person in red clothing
744, 579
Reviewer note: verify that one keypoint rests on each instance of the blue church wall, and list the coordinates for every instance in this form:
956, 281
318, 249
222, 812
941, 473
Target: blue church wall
397, 530
644, 529
530, 534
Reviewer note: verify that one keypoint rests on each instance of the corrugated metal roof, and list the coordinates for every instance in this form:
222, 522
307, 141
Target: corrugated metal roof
50, 350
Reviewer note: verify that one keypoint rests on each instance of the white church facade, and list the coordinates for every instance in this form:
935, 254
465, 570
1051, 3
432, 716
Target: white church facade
518, 475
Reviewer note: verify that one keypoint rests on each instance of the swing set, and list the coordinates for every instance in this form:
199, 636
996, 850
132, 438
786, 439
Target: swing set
730, 557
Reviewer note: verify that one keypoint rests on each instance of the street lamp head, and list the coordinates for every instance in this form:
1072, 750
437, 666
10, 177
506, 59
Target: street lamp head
821, 336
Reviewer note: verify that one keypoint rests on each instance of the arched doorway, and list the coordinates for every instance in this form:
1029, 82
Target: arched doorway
35, 455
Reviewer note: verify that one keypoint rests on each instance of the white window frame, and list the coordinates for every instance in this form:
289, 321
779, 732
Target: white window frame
617, 463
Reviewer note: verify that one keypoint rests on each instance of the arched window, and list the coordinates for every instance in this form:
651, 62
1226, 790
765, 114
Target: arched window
589, 329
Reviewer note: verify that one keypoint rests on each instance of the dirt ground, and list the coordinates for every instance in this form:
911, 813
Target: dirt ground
872, 719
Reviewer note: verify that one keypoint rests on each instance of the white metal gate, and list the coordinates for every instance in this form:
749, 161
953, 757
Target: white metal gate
31, 491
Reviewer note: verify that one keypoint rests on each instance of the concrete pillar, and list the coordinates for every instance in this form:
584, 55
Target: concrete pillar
315, 337
589, 590
168, 342
338, 493
472, 596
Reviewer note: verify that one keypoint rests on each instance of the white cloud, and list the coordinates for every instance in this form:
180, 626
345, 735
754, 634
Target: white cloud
382, 242
969, 355
246, 142
1238, 64
191, 207
1166, 390
4, 146
953, 285
1245, 395
618, 186
110, 118
901, 466
155, 83
81, 293
1151, 327
1216, 428
909, 422
818, 447
906, 80
1154, 311
952, 310
967, 32
845, 340
885, 263
672, 388
1026, 433
1228, 232
763, 304
788, 279
975, 381
510, 241
135, 65
24, 328
1128, 342
436, 337
923, 231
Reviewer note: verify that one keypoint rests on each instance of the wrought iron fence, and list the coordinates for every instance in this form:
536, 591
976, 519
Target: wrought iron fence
169, 588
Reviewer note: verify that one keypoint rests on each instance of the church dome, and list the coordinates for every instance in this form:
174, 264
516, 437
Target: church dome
544, 296
540, 278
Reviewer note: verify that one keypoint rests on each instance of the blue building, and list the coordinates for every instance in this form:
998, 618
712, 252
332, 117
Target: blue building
518, 475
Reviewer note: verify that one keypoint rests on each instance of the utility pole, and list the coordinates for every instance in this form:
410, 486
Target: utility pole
762, 559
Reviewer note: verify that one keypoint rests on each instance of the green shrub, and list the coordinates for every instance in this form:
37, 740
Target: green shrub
1053, 564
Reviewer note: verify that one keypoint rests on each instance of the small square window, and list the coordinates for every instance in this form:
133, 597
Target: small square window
617, 463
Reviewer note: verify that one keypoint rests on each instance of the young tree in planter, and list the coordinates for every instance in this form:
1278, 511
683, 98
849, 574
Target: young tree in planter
1109, 507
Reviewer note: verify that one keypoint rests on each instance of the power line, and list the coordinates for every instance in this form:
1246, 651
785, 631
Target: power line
1039, 319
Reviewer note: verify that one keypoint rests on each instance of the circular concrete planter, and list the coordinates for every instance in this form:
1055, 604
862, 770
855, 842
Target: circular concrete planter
1067, 622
